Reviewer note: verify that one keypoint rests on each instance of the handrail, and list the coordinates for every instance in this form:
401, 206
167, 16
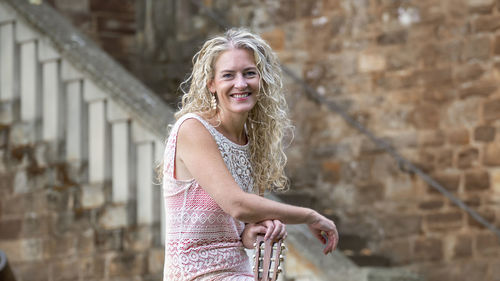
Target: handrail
125, 89
312, 94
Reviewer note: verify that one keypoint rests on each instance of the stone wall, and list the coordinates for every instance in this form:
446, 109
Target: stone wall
423, 75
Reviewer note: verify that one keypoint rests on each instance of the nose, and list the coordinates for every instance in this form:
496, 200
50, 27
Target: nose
240, 82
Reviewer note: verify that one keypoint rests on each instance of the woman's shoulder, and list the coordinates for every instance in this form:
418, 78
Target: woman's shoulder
193, 127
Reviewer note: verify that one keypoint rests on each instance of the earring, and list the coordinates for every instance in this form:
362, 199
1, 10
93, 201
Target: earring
213, 102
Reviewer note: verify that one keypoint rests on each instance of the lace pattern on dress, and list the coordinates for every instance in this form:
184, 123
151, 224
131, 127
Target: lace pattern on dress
202, 242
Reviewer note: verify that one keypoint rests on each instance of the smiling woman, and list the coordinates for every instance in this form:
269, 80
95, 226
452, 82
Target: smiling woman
224, 150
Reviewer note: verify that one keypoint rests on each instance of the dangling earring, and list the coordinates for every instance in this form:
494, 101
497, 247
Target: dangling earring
213, 102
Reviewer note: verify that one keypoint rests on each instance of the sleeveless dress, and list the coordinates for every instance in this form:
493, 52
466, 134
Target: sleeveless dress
202, 242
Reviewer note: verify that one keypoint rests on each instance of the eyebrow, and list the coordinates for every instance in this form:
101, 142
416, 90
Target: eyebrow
245, 69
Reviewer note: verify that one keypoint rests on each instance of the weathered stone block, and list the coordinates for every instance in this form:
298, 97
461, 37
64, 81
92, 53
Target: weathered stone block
113, 6
488, 214
484, 133
480, 6
431, 205
475, 270
62, 245
331, 171
114, 217
431, 138
477, 48
92, 196
491, 110
35, 225
482, 88
23, 250
496, 45
369, 193
106, 240
401, 225
156, 257
434, 77
21, 183
492, 154
6, 185
394, 37
371, 62
462, 247
399, 250
138, 239
428, 249
86, 242
92, 267
10, 229
487, 244
21, 204
486, 23
458, 136
65, 269
495, 181
450, 181
463, 112
24, 133
467, 158
127, 264
426, 116
118, 24
28, 270
478, 180
275, 38
467, 72
495, 269
444, 221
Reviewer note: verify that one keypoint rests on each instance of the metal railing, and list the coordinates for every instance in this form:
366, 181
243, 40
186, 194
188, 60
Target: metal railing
312, 94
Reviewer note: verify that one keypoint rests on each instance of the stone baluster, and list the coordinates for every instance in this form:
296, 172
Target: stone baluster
147, 193
75, 115
159, 150
122, 159
29, 79
99, 141
51, 92
7, 65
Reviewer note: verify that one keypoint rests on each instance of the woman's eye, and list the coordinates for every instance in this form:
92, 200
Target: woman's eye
251, 73
226, 75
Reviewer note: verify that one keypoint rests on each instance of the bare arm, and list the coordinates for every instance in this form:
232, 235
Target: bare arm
197, 152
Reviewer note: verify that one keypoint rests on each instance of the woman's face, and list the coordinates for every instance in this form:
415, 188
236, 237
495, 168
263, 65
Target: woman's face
236, 81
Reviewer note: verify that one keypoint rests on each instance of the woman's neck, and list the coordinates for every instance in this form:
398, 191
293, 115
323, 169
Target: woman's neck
233, 126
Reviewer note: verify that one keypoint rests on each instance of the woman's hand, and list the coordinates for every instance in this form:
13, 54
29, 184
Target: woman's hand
325, 230
271, 229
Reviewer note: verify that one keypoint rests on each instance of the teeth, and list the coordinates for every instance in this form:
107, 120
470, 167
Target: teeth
238, 96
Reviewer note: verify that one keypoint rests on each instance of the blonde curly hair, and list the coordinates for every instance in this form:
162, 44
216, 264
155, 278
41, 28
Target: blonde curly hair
267, 122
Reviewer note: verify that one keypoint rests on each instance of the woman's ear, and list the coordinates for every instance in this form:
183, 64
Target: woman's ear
210, 86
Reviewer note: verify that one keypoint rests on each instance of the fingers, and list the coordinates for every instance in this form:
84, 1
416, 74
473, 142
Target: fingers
278, 229
270, 228
275, 229
327, 227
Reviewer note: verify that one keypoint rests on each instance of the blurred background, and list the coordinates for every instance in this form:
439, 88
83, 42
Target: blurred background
396, 107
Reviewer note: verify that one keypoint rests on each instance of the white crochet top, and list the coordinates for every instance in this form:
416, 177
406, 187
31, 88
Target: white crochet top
202, 241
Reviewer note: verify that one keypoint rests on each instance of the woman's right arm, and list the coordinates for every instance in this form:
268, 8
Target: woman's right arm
197, 153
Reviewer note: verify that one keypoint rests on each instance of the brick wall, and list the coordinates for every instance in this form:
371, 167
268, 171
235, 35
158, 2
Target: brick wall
421, 74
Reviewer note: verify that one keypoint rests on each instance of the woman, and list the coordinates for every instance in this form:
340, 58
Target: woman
224, 148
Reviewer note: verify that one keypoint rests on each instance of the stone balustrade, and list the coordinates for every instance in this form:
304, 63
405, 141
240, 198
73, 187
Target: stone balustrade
87, 119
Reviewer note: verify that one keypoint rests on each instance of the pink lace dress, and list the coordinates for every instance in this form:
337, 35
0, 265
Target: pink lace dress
203, 242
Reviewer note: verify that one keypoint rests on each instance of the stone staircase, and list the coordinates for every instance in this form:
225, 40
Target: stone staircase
79, 140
